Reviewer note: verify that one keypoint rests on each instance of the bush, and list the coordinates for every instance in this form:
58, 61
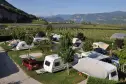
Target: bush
119, 43
88, 45
92, 80
81, 36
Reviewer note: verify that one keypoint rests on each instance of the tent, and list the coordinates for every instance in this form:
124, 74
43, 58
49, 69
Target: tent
23, 45
118, 36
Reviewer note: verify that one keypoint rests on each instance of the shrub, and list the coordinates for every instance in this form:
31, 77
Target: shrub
88, 45
81, 36
119, 43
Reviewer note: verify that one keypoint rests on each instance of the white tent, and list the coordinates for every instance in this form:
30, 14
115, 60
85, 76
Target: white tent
57, 36
23, 45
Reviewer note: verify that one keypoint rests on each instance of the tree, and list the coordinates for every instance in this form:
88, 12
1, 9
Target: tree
29, 40
18, 34
81, 36
88, 45
83, 22
44, 45
66, 51
119, 43
49, 28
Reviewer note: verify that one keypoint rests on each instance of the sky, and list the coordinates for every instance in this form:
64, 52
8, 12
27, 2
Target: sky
54, 7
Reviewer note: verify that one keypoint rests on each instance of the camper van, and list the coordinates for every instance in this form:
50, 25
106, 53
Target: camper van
52, 63
96, 68
23, 45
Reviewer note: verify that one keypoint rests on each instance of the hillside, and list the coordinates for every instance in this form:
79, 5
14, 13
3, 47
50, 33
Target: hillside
10, 14
117, 17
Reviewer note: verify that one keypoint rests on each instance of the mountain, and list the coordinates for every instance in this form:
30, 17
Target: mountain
11, 14
54, 19
116, 17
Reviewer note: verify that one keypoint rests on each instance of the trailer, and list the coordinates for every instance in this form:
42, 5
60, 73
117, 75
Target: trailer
52, 63
96, 68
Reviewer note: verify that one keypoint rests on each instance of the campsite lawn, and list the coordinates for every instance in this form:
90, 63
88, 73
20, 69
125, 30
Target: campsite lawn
48, 78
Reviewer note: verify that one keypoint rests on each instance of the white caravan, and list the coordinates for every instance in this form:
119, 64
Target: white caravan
52, 63
97, 56
23, 45
96, 68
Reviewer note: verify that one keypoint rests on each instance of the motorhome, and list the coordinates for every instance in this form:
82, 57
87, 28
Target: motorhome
96, 68
52, 63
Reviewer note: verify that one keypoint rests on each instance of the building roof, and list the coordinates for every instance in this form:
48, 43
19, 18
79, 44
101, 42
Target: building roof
101, 45
118, 36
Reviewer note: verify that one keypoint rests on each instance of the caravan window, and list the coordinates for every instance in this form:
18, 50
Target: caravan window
57, 63
113, 73
47, 63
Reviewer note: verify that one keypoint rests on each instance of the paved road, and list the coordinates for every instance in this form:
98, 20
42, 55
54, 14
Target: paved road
10, 73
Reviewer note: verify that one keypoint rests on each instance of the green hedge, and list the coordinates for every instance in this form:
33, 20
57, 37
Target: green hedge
92, 80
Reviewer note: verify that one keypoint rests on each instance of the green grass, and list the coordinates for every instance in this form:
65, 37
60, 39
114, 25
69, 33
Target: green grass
48, 78
92, 80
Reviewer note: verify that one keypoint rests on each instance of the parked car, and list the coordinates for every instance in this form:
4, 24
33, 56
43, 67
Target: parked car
32, 64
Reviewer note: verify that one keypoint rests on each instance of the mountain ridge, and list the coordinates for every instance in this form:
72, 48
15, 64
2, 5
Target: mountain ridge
115, 17
11, 14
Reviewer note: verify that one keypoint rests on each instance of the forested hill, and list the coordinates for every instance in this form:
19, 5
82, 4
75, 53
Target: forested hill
11, 14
